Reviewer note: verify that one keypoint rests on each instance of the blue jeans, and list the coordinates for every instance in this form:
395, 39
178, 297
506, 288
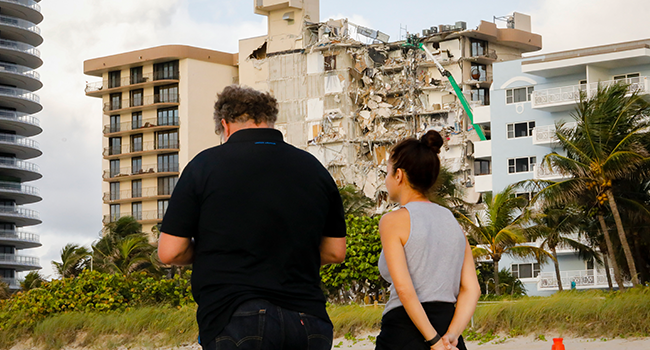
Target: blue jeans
260, 325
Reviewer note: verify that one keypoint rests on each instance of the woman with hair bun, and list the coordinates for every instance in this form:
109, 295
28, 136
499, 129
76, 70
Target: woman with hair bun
425, 257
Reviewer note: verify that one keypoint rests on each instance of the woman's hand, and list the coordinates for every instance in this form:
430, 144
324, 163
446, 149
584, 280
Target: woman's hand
443, 344
450, 338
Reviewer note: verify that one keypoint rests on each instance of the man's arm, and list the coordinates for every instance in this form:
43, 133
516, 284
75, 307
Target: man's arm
174, 250
332, 250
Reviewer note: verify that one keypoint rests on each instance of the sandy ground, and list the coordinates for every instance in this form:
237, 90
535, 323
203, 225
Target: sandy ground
362, 342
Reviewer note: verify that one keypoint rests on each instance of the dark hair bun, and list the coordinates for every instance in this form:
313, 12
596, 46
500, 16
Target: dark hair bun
433, 140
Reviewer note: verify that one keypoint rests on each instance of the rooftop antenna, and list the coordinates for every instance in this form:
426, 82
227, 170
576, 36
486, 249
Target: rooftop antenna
403, 32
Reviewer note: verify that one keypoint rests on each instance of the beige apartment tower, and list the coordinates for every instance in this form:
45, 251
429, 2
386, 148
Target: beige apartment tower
157, 113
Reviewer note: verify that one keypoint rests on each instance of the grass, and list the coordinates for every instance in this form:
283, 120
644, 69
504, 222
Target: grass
592, 314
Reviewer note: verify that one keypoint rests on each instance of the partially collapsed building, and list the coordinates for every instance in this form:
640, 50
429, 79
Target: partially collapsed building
347, 101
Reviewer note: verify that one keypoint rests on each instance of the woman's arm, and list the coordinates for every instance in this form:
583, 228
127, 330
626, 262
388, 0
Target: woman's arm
394, 229
468, 296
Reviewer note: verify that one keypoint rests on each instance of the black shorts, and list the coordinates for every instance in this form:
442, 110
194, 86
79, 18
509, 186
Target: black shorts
399, 332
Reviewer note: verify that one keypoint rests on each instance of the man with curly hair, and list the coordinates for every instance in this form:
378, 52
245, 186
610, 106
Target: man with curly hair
257, 218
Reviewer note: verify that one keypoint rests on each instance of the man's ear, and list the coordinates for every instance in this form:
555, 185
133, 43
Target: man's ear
226, 129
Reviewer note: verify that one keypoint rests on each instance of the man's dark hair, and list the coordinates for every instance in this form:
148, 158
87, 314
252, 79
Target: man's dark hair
239, 104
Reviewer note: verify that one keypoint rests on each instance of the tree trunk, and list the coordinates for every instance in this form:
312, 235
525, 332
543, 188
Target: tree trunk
557, 270
609, 275
610, 251
496, 277
623, 237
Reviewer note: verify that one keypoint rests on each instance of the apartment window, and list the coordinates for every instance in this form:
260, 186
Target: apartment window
166, 185
481, 95
136, 188
136, 97
115, 212
478, 72
114, 165
162, 207
136, 120
528, 195
167, 140
330, 62
5, 249
478, 48
115, 190
168, 162
166, 94
7, 227
136, 165
136, 75
168, 116
114, 79
136, 210
116, 101
6, 273
167, 70
521, 165
524, 270
114, 145
519, 95
114, 123
136, 143
523, 129
482, 167
627, 78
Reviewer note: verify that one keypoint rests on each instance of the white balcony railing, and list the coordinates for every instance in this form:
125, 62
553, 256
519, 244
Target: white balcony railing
583, 279
130, 80
19, 236
19, 23
27, 3
543, 172
12, 282
636, 84
19, 259
483, 183
555, 96
547, 133
483, 149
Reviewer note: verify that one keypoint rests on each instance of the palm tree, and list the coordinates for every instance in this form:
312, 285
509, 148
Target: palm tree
558, 227
606, 146
499, 230
447, 193
32, 280
355, 201
74, 259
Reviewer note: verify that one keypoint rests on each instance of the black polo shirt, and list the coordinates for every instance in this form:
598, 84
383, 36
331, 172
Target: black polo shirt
257, 209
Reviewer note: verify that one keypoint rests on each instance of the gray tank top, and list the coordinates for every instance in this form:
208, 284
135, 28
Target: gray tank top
435, 251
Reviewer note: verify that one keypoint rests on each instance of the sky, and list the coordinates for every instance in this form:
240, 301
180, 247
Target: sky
77, 30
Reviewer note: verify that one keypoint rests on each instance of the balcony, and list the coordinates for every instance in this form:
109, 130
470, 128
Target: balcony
25, 171
584, 279
483, 183
19, 216
483, 149
19, 76
129, 149
27, 9
636, 84
150, 170
20, 100
12, 282
21, 123
21, 194
546, 134
22, 147
99, 88
19, 262
543, 172
481, 114
14, 28
152, 124
146, 216
148, 193
19, 239
20, 53
139, 104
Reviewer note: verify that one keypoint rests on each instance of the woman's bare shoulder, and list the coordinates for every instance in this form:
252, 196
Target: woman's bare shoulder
395, 219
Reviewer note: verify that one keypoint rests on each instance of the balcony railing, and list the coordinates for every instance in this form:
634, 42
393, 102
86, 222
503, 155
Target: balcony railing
20, 93
145, 169
18, 188
547, 133
12, 282
543, 172
20, 117
19, 259
126, 81
565, 94
18, 211
18, 164
143, 124
636, 84
140, 215
18, 46
19, 236
144, 147
19, 140
18, 69
582, 278
143, 193
19, 23
140, 102
27, 3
